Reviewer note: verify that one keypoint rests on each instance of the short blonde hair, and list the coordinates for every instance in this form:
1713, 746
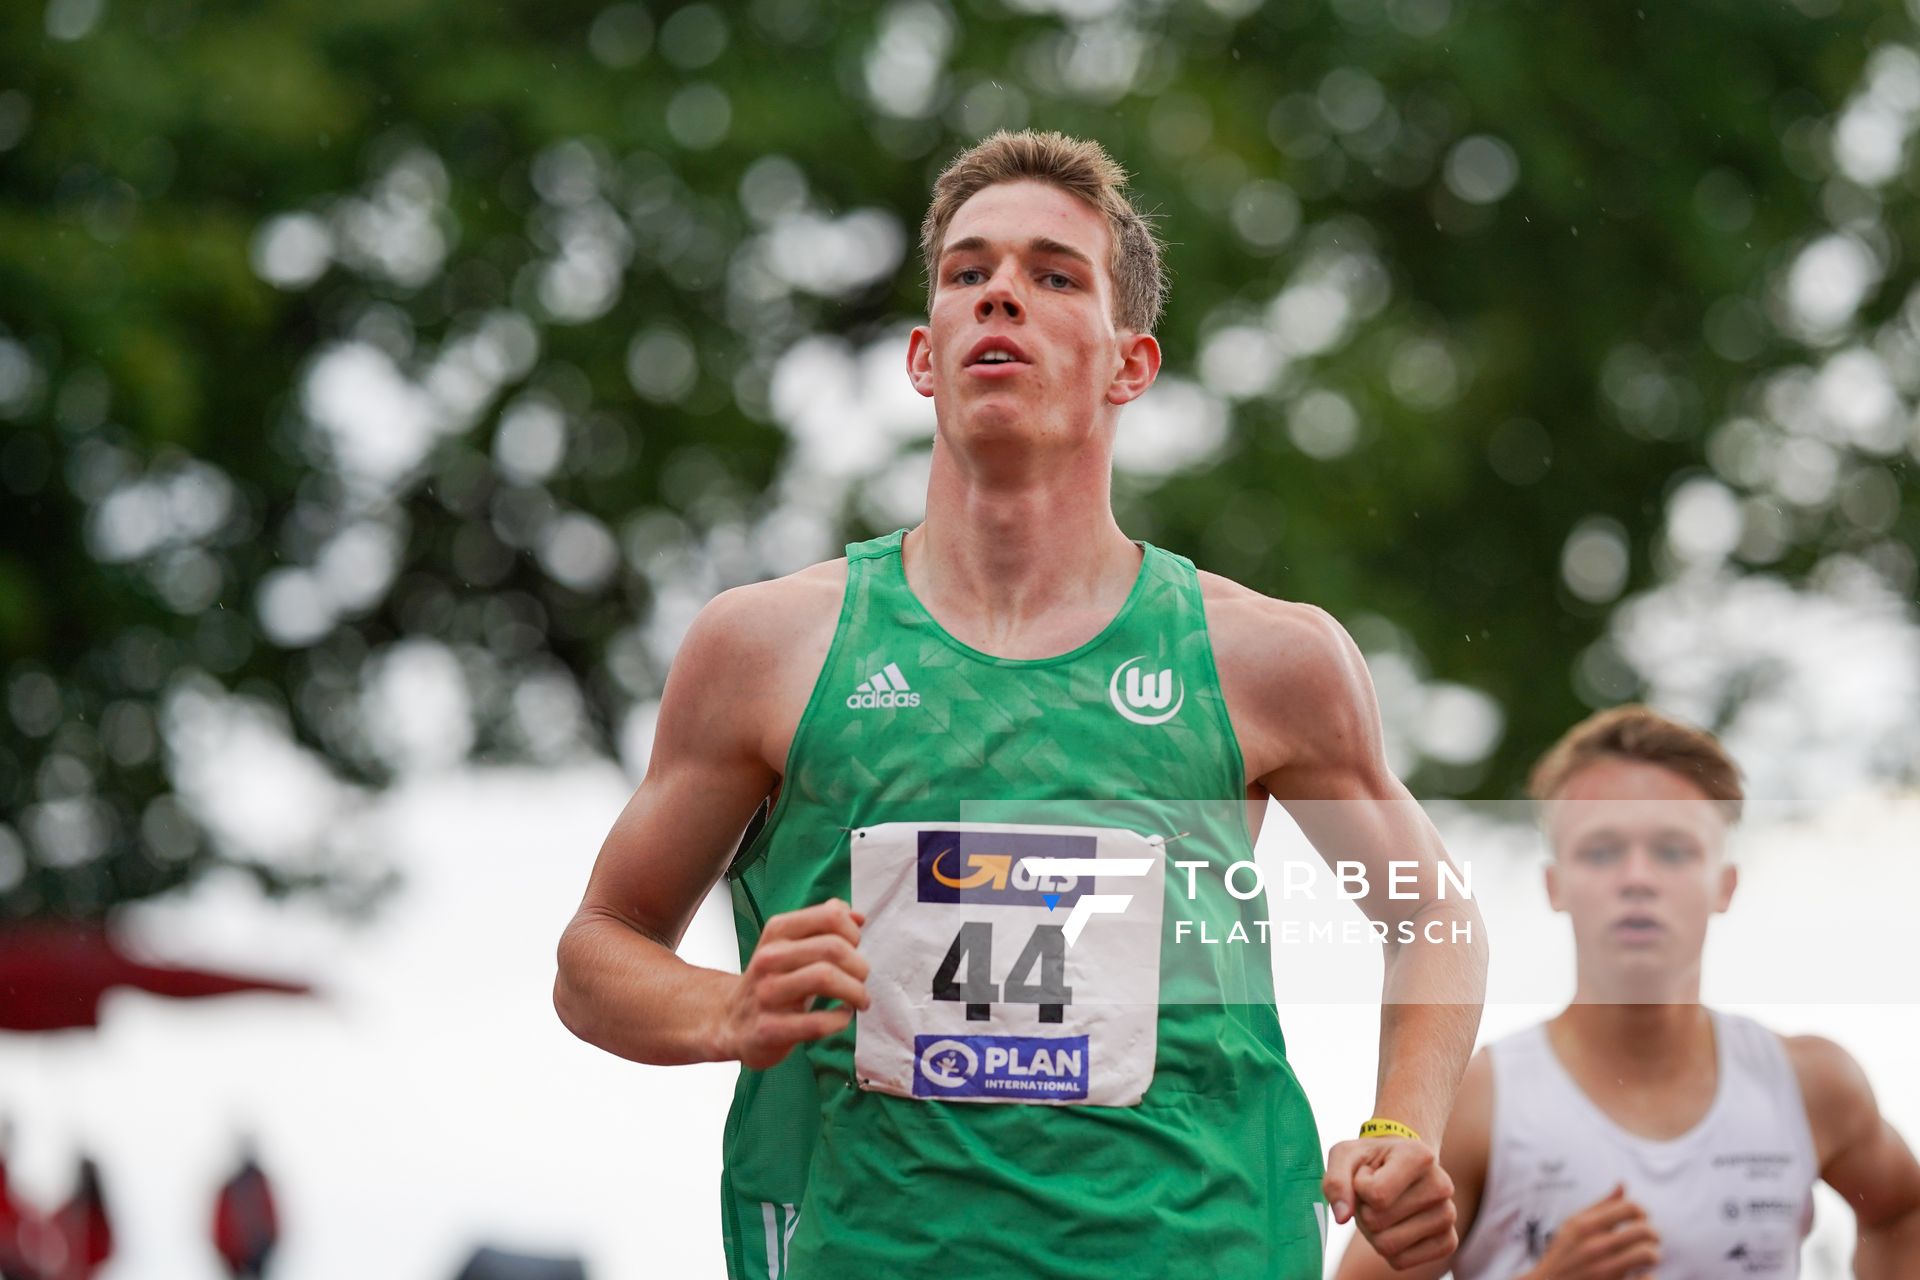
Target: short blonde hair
1079, 167
1636, 732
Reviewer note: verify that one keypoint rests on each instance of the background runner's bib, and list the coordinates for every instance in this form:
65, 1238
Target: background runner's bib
994, 980
1214, 1170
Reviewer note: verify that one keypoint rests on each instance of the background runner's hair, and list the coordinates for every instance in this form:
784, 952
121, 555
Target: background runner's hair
1075, 165
1637, 732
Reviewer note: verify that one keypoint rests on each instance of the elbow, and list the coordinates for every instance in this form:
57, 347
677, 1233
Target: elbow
562, 1004
1469, 912
1887, 1248
1444, 942
1456, 921
1900, 1232
1465, 926
568, 1005
1478, 948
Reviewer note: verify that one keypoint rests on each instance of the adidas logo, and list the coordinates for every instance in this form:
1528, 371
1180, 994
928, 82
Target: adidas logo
887, 689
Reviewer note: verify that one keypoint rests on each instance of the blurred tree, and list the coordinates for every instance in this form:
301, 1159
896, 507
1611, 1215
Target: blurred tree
395, 378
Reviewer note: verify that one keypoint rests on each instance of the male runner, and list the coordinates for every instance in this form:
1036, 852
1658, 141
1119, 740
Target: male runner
1115, 1105
1640, 1133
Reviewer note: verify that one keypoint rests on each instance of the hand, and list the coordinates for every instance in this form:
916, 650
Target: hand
802, 956
1402, 1198
1610, 1239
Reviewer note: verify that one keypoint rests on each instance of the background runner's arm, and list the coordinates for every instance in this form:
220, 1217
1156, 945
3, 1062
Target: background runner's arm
1464, 1156
1862, 1157
1336, 784
620, 985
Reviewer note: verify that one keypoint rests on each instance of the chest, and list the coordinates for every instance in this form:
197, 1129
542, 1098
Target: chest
1726, 1183
899, 715
1656, 1110
1738, 1209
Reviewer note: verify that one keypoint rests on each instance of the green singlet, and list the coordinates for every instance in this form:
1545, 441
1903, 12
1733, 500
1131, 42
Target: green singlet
1215, 1172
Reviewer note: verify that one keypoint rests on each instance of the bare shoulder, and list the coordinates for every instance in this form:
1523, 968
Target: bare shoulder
1270, 636
1825, 1069
764, 644
1838, 1098
757, 617
1291, 674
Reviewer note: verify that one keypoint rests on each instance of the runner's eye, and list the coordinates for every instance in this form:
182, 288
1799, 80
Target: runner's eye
1675, 851
960, 276
1600, 851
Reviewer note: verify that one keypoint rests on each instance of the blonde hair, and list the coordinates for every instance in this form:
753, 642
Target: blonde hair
1636, 732
1078, 167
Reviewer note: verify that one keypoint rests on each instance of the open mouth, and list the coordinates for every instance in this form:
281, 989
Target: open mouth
996, 357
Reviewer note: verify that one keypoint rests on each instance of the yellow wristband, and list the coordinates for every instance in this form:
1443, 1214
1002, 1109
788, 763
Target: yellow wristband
1382, 1128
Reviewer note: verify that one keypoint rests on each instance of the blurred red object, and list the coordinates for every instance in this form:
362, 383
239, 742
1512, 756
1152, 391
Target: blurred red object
245, 1228
81, 1227
20, 1231
54, 972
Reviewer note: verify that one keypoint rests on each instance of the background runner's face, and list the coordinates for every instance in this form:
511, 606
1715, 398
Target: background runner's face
1027, 262
1639, 865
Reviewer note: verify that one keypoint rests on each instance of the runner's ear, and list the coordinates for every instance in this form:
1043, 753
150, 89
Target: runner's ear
1729, 881
1553, 886
1139, 366
920, 359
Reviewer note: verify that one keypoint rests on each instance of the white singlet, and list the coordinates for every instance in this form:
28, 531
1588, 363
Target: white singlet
1731, 1197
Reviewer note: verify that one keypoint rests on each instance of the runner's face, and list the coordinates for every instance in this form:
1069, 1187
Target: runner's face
1024, 263
1638, 864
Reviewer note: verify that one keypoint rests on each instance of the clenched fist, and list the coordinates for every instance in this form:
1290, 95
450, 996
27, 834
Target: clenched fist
1398, 1193
803, 956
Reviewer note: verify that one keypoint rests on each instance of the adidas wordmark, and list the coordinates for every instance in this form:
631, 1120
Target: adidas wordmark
887, 689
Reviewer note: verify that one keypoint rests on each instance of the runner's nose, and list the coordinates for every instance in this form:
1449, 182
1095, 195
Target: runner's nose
998, 294
1637, 872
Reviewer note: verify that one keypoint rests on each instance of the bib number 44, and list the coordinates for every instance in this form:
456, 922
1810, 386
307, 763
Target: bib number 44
972, 949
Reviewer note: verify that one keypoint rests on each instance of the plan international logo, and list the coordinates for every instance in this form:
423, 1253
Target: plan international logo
1036, 1067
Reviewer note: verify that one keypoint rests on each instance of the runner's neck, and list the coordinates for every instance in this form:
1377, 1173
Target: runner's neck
1633, 1043
1013, 564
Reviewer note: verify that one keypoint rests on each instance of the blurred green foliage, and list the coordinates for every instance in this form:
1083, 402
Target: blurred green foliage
276, 279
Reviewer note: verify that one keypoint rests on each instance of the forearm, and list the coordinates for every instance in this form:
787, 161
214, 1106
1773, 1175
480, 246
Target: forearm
629, 994
1429, 1015
1888, 1251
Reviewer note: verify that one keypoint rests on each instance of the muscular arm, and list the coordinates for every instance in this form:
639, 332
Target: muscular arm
620, 986
1314, 720
1861, 1156
1463, 1154
1303, 708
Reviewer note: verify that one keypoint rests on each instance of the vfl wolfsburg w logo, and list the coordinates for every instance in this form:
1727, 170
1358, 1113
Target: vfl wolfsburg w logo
1145, 692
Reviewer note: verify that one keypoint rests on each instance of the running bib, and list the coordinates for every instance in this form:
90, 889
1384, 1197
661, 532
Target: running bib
1010, 963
